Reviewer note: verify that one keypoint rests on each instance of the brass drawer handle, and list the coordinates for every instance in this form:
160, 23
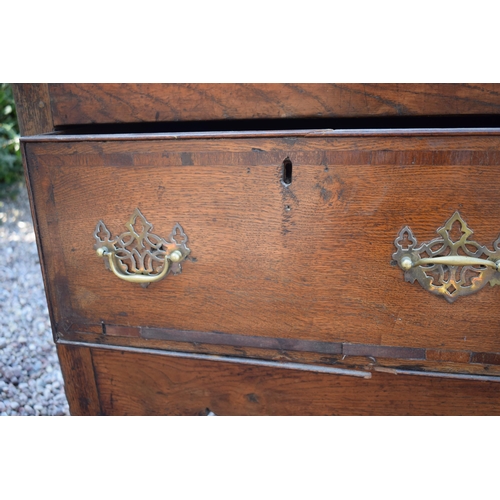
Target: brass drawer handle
450, 260
449, 266
139, 256
138, 278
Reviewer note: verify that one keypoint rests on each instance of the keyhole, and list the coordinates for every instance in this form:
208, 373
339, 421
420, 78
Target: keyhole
287, 172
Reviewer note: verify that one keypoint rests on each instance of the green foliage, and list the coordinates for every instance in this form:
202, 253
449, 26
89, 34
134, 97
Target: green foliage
11, 167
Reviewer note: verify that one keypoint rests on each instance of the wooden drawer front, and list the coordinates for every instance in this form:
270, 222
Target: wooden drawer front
82, 104
309, 262
145, 384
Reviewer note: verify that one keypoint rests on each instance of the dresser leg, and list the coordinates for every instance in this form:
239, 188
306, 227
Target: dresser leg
79, 380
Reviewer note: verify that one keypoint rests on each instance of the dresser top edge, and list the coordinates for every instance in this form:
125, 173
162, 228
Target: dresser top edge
57, 137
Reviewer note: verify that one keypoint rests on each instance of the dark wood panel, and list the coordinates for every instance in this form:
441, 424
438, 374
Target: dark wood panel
486, 357
34, 112
240, 340
146, 384
79, 380
127, 103
311, 261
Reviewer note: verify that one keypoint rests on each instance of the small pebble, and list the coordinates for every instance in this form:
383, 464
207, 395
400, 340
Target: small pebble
30, 376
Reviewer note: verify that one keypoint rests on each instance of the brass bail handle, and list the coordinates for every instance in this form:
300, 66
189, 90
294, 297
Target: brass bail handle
449, 260
175, 256
451, 265
138, 255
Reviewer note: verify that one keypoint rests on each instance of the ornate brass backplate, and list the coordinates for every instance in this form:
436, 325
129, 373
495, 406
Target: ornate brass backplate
139, 256
445, 266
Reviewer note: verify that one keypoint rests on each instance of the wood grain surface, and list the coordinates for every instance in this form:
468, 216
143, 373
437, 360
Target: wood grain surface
311, 261
146, 384
34, 112
128, 103
79, 380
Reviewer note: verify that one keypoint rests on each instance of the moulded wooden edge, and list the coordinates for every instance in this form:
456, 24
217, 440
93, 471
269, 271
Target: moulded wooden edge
230, 359
430, 132
164, 338
344, 369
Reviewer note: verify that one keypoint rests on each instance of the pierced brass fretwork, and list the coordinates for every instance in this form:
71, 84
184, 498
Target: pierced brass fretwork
138, 255
451, 265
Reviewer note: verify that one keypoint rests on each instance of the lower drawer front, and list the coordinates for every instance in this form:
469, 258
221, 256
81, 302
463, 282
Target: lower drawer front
144, 384
291, 240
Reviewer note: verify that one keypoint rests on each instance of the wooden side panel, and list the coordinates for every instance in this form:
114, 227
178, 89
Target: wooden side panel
311, 261
146, 384
127, 103
34, 112
79, 380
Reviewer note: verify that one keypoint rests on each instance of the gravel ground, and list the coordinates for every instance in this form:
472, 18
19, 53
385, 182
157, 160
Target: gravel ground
30, 377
